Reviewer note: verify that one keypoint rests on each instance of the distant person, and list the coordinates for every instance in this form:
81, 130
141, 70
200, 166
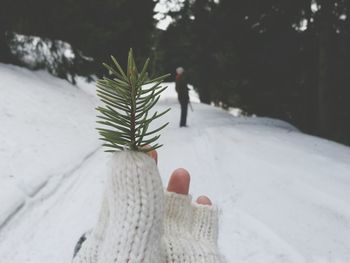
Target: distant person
182, 94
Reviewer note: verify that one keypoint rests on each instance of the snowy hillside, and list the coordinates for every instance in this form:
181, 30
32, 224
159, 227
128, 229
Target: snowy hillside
284, 195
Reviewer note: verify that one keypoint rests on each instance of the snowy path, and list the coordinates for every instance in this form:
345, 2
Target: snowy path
284, 195
39, 232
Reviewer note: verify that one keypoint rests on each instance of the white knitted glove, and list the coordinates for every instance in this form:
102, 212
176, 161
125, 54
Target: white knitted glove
139, 223
191, 231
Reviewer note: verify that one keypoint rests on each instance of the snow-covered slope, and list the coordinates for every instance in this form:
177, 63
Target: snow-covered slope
284, 195
47, 127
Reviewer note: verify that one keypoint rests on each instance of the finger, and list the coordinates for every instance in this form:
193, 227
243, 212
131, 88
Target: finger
178, 214
179, 182
203, 200
136, 207
154, 155
205, 222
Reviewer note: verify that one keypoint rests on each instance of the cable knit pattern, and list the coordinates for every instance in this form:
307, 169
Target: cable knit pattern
191, 231
139, 223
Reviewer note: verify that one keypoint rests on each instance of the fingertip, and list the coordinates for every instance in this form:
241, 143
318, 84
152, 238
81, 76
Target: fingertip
203, 200
179, 181
154, 155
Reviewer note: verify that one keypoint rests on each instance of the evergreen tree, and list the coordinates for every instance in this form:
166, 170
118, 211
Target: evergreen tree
97, 28
283, 59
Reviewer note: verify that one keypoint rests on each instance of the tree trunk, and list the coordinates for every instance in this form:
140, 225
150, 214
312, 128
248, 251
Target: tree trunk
5, 53
325, 36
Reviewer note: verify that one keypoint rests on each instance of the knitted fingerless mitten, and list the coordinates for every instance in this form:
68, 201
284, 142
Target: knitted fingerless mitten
134, 226
191, 231
129, 228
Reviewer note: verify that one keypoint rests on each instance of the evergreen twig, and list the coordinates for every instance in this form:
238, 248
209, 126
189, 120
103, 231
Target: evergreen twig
127, 105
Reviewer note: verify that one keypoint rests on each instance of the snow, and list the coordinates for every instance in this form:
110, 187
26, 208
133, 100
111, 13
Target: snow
284, 195
35, 52
11, 198
46, 127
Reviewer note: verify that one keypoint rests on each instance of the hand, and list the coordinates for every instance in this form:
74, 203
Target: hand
179, 182
190, 228
139, 222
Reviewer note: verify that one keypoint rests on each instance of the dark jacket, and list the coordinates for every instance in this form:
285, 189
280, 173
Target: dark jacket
181, 88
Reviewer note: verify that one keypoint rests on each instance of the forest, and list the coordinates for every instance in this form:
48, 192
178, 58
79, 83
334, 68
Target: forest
285, 59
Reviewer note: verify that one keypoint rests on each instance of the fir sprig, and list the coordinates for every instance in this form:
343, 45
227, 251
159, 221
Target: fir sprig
127, 104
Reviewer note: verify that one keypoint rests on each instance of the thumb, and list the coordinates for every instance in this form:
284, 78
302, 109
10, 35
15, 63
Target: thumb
135, 195
135, 198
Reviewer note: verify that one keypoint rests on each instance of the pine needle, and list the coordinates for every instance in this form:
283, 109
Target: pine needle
126, 106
